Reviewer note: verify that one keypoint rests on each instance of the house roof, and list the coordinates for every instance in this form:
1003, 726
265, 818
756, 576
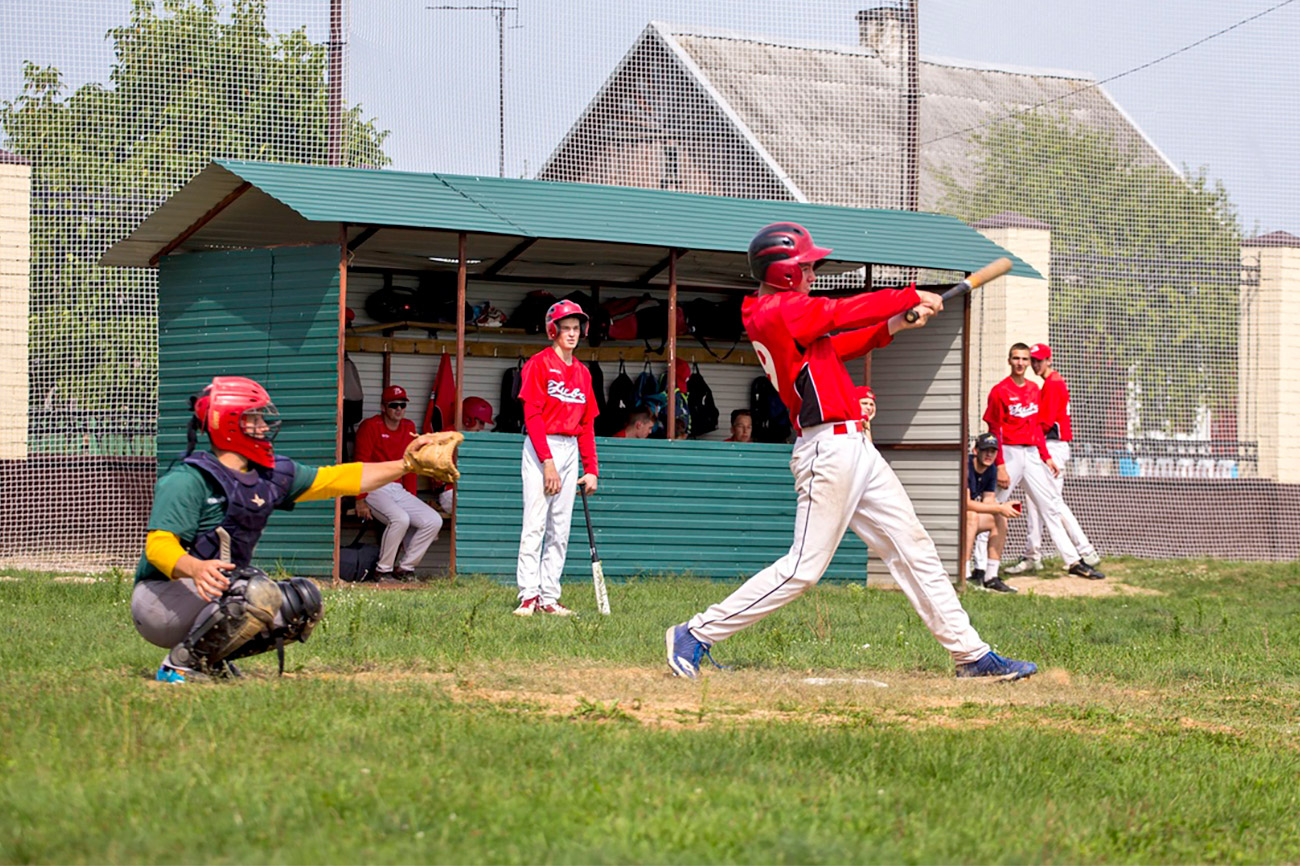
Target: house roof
527, 228
827, 119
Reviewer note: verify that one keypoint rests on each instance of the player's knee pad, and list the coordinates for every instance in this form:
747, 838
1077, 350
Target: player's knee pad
246, 609
301, 608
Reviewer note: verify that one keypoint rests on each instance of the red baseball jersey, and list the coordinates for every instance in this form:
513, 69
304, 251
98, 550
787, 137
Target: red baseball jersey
377, 444
794, 336
1054, 409
1012, 416
558, 401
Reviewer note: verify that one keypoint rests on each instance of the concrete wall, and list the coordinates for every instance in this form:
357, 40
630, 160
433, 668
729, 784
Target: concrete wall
15, 271
1268, 387
1007, 310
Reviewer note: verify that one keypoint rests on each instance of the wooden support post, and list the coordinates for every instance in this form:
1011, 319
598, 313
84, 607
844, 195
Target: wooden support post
338, 393
672, 345
459, 421
962, 495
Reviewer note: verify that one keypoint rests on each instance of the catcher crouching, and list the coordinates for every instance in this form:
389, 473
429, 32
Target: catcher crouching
197, 593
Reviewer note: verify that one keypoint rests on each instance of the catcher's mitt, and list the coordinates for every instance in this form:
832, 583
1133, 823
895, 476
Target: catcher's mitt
434, 458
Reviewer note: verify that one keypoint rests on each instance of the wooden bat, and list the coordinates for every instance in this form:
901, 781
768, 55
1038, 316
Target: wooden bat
991, 271
597, 570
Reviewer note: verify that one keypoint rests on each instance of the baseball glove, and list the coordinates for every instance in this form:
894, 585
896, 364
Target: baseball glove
437, 458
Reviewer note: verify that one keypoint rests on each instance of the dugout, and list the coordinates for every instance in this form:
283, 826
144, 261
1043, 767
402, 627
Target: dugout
257, 263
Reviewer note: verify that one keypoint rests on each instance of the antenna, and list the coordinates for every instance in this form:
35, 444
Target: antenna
498, 8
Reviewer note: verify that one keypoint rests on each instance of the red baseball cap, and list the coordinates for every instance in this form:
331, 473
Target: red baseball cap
865, 391
1040, 352
391, 393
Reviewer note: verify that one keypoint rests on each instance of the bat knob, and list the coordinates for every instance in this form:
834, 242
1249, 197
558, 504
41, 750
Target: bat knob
911, 316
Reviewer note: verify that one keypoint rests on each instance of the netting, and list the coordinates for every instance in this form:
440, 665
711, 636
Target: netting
1153, 190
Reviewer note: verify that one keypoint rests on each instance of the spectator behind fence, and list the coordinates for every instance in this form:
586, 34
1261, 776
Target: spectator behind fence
411, 525
640, 423
742, 426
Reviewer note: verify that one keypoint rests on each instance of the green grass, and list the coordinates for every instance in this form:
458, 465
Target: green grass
431, 726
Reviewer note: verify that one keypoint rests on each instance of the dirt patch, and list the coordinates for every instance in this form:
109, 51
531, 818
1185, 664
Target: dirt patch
651, 697
1066, 586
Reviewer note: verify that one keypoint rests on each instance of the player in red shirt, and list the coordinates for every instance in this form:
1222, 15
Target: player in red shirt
410, 525
559, 411
1054, 418
841, 480
1012, 416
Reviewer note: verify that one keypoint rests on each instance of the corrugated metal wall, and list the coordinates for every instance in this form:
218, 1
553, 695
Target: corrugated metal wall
271, 315
713, 509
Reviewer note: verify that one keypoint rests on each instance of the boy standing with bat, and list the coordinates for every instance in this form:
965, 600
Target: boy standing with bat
559, 413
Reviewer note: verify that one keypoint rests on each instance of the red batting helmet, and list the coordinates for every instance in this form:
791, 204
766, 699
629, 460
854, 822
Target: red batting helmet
476, 407
563, 310
239, 416
778, 250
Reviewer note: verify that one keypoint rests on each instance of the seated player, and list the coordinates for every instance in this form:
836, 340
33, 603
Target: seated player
476, 417
640, 424
867, 403
196, 592
985, 514
742, 426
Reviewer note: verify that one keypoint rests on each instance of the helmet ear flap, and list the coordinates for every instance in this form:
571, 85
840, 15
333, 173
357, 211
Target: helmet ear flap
784, 274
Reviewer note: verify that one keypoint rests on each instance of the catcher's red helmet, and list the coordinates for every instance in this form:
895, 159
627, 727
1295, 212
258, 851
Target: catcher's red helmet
476, 407
239, 416
778, 250
563, 310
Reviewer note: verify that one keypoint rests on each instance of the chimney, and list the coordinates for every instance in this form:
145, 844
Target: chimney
881, 30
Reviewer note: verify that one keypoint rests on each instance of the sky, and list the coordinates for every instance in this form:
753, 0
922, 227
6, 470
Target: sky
430, 76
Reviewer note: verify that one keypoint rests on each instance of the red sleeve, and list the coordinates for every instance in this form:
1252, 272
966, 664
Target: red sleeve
1049, 405
535, 426
808, 318
1040, 440
532, 387
363, 451
858, 342
993, 418
587, 448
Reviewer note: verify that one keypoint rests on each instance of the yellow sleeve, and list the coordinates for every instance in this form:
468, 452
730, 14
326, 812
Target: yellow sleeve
163, 550
341, 480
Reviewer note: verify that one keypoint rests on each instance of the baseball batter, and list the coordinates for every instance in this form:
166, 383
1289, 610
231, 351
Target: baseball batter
1054, 418
196, 591
559, 414
1012, 416
841, 480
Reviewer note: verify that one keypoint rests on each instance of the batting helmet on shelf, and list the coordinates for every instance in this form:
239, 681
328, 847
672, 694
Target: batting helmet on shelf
476, 407
778, 250
239, 416
563, 310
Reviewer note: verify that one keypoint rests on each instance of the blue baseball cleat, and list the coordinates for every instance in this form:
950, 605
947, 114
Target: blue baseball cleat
994, 665
685, 651
168, 674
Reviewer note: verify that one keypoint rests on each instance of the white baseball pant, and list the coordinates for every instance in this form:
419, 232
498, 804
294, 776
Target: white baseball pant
842, 482
980, 551
1023, 464
1060, 452
544, 539
409, 525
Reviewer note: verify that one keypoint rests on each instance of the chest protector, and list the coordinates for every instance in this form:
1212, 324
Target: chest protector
250, 498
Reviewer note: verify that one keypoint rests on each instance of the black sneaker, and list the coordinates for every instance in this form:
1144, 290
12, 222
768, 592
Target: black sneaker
977, 575
1083, 569
404, 575
995, 584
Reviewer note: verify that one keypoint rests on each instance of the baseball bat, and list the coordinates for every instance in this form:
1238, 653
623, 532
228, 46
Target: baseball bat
597, 570
991, 271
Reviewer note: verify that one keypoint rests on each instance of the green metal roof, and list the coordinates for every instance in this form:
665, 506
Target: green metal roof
587, 213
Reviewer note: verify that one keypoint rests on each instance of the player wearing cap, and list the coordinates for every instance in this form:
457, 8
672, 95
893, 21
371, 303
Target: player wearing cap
1054, 418
841, 480
476, 417
985, 514
197, 592
559, 413
867, 405
410, 524
1012, 416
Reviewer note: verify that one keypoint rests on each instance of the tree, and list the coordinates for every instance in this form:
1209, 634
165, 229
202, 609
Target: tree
1145, 267
191, 81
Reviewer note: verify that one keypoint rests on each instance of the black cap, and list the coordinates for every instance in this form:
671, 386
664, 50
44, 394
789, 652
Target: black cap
986, 442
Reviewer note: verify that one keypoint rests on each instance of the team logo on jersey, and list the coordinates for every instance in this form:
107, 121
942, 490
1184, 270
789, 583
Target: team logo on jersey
258, 501
1022, 410
556, 389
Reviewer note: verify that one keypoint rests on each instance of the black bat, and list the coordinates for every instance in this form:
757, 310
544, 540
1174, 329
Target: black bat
597, 570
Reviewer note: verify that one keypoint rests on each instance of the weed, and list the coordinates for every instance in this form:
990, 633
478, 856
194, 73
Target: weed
598, 711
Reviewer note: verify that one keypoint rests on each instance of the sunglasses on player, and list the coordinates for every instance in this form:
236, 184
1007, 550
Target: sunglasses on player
397, 404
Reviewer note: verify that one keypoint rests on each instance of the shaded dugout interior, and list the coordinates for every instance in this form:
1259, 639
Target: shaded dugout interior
257, 263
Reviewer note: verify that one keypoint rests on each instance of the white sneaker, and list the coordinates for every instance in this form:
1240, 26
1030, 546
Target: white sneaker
556, 609
1093, 559
1024, 566
527, 606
